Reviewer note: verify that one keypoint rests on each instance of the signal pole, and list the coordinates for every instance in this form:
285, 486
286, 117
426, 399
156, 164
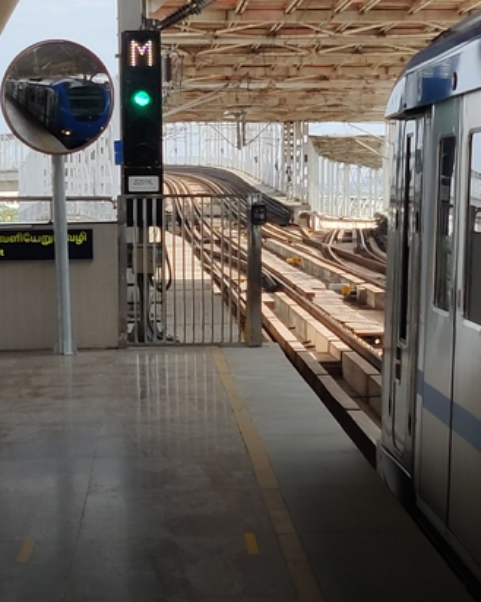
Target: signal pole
141, 110
130, 15
141, 122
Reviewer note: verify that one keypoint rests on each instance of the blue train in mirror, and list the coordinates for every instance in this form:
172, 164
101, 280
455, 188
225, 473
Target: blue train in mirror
75, 111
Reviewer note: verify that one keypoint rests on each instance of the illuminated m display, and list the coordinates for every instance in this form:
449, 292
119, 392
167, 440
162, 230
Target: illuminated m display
141, 53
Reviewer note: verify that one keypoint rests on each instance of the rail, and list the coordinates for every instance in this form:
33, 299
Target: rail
195, 181
299, 310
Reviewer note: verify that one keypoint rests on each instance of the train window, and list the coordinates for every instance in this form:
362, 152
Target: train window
407, 201
472, 305
86, 102
445, 224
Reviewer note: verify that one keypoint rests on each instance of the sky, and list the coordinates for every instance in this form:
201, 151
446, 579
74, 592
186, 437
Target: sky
92, 23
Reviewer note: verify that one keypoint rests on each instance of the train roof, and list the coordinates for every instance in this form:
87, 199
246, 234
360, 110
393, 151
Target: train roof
449, 66
71, 81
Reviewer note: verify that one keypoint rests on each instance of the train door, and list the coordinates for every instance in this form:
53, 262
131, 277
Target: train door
49, 109
435, 384
400, 367
404, 350
464, 510
395, 190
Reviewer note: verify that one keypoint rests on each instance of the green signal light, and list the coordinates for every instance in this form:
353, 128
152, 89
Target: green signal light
142, 99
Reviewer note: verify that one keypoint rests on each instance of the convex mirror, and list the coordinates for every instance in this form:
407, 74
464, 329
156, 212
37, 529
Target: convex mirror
57, 97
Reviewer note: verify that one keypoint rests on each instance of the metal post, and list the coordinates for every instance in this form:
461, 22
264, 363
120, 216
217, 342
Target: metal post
321, 202
253, 327
346, 192
129, 14
359, 192
65, 344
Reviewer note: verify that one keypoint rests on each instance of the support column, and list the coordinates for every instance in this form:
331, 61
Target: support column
258, 151
312, 169
372, 198
359, 192
130, 13
199, 145
338, 197
322, 186
287, 158
346, 191
295, 159
303, 150
330, 187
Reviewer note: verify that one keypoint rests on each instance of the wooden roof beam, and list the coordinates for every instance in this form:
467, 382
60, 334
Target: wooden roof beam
217, 49
341, 5
214, 16
201, 83
418, 5
321, 71
292, 6
391, 40
223, 58
235, 27
196, 102
370, 4
469, 6
241, 6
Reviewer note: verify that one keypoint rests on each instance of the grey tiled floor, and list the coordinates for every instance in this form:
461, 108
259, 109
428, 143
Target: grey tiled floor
362, 545
129, 474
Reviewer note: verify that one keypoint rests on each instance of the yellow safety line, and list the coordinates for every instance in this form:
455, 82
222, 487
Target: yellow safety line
251, 543
25, 551
301, 572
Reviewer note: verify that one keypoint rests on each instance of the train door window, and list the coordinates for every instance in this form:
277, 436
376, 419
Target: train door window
406, 209
472, 304
445, 224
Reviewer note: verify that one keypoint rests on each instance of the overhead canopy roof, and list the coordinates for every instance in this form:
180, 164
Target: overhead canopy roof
54, 59
364, 150
307, 60
6, 9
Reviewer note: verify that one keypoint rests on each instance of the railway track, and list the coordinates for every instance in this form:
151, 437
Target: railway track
335, 345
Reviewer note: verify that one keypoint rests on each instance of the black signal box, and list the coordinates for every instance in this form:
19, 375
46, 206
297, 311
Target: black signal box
141, 118
258, 214
141, 85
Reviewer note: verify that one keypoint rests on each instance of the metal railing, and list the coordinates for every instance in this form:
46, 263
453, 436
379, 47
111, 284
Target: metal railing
182, 268
39, 209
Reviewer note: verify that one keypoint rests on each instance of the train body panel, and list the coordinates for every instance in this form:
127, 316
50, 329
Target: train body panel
464, 513
435, 378
430, 451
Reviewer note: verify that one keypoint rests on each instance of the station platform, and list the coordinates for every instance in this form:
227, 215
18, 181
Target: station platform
265, 189
193, 474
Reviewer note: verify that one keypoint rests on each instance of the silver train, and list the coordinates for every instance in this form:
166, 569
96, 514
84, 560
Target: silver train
430, 451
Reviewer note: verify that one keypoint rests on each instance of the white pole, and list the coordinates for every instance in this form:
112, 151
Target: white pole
65, 344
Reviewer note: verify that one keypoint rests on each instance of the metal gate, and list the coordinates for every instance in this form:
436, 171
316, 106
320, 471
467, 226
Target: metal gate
183, 260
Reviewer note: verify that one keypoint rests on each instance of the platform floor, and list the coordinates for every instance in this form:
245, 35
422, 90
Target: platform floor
193, 475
